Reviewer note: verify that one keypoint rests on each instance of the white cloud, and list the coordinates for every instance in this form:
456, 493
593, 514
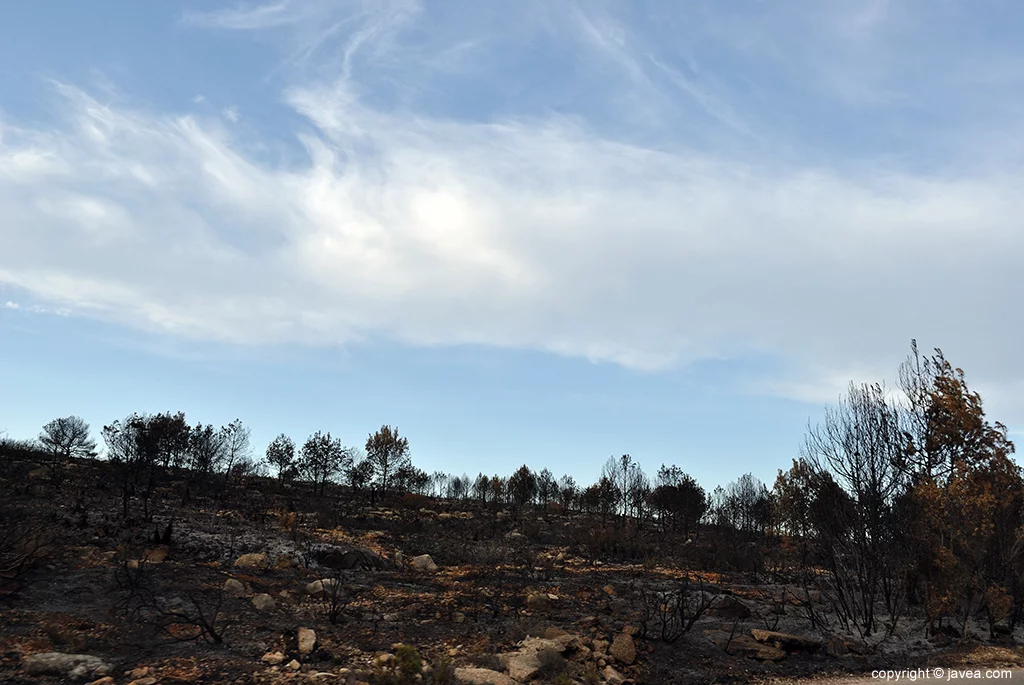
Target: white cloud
534, 231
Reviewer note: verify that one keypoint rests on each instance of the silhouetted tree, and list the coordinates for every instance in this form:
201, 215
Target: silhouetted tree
281, 455
322, 458
66, 438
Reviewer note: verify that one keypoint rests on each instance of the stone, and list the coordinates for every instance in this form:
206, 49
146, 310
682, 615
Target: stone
521, 665
72, 666
459, 617
623, 649
253, 560
836, 646
293, 665
730, 607
608, 590
745, 645
536, 601
235, 588
322, 588
399, 558
264, 602
307, 640
424, 563
481, 676
786, 641
273, 658
156, 555
613, 677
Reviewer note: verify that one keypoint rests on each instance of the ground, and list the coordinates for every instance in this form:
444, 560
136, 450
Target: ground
515, 593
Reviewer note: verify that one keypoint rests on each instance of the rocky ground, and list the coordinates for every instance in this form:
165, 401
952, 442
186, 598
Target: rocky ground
257, 588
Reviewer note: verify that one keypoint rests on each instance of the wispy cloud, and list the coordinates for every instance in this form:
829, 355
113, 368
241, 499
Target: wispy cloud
538, 227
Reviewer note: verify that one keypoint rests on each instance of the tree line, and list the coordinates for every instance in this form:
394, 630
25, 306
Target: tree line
896, 504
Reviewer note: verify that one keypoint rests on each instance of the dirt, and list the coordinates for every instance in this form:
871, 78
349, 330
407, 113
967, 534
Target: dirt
500, 579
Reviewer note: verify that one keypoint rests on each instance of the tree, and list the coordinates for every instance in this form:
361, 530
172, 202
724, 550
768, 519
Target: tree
65, 439
388, 452
132, 451
322, 458
236, 447
281, 455
861, 443
522, 487
679, 500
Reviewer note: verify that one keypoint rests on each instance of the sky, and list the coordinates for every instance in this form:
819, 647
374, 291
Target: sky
522, 232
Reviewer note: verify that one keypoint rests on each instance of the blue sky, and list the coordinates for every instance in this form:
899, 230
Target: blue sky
522, 232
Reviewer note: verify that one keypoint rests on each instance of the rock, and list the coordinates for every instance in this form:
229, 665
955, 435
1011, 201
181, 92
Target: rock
613, 677
346, 560
264, 602
150, 680
105, 680
284, 562
293, 665
623, 649
481, 676
608, 590
731, 608
745, 645
273, 658
836, 646
521, 665
73, 666
253, 560
307, 640
459, 617
321, 588
536, 601
786, 641
140, 672
157, 555
525, 663
552, 632
399, 558
424, 563
234, 588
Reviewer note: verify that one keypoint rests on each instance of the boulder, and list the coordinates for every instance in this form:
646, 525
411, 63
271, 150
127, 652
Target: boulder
623, 649
264, 602
71, 666
424, 563
525, 663
786, 641
481, 676
156, 555
235, 588
521, 665
538, 601
253, 560
613, 677
322, 588
745, 645
836, 646
273, 658
307, 641
730, 607
349, 559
